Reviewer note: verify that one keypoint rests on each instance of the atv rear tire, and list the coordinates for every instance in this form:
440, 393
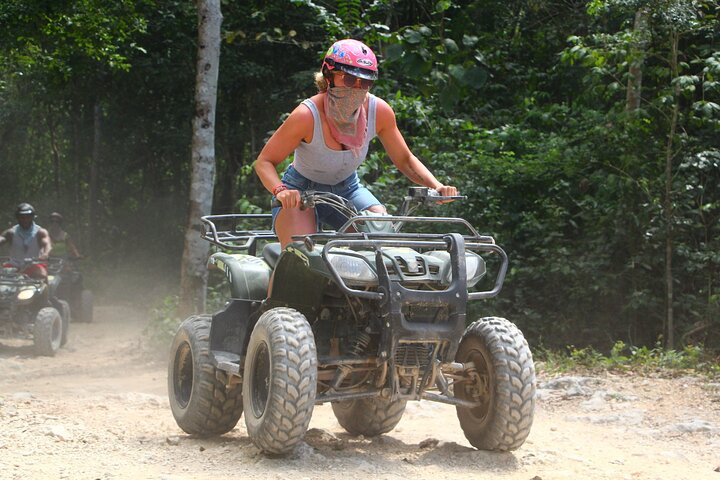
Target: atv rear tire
369, 416
505, 384
48, 331
280, 380
86, 306
65, 314
200, 399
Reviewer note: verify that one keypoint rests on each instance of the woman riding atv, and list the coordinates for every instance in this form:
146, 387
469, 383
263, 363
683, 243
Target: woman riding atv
330, 134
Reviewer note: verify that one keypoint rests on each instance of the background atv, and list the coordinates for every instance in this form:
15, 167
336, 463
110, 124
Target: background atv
71, 288
29, 308
367, 318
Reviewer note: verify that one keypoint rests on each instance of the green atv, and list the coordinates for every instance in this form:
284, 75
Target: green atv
71, 288
29, 308
366, 317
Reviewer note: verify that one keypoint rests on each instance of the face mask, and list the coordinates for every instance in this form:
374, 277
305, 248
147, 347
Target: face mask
347, 118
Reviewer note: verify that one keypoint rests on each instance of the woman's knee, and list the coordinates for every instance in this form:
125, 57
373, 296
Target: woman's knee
377, 209
294, 221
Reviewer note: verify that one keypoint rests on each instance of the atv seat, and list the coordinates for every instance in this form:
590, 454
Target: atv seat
271, 253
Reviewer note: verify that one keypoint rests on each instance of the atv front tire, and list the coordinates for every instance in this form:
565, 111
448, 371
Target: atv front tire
369, 416
48, 331
200, 398
503, 380
280, 380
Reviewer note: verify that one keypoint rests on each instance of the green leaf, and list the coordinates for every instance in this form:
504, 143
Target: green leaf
394, 51
457, 72
469, 40
450, 45
443, 5
412, 36
475, 77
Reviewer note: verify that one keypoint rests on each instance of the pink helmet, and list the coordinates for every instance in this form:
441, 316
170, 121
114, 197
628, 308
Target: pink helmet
353, 57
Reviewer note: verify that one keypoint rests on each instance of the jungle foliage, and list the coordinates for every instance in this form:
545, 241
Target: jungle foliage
586, 134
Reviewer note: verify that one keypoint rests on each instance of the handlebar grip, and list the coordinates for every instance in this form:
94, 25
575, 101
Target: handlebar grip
275, 203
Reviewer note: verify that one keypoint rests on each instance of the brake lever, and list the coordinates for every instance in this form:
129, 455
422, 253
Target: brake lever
307, 200
433, 197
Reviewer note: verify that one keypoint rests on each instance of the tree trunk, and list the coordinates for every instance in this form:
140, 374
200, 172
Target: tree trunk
55, 153
193, 278
637, 50
667, 200
94, 200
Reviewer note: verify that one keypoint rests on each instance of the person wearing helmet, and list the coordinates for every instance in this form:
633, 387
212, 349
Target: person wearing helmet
63, 245
329, 134
27, 240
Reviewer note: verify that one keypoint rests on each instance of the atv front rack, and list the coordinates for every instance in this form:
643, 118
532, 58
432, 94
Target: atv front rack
450, 242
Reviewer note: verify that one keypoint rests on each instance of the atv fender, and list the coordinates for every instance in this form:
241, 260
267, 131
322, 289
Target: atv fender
230, 329
247, 275
299, 279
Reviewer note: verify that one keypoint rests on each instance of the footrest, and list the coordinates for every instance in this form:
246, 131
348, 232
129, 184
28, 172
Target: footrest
227, 361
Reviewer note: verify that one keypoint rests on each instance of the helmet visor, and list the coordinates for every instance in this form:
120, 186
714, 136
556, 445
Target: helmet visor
352, 70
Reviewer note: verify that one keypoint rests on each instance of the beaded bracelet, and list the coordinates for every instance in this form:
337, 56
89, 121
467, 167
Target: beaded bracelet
279, 188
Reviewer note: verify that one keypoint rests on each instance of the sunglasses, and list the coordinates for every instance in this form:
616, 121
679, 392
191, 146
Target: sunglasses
355, 82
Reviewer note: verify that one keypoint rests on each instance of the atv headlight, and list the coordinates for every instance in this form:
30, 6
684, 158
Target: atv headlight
26, 293
472, 263
474, 267
353, 270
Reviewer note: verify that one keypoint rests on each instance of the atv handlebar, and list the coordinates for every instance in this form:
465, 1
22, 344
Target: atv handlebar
416, 195
312, 198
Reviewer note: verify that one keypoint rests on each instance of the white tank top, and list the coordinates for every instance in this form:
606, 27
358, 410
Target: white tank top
317, 162
24, 245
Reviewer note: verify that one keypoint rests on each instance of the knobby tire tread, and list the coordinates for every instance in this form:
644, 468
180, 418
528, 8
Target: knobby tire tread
513, 412
291, 401
43, 331
213, 408
369, 416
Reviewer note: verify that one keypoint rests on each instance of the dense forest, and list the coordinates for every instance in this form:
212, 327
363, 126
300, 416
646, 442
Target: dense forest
585, 133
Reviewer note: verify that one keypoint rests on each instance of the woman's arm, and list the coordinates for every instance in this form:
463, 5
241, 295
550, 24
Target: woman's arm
296, 128
71, 247
400, 153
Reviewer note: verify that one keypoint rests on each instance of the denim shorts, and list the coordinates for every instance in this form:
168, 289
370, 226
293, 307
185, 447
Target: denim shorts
350, 188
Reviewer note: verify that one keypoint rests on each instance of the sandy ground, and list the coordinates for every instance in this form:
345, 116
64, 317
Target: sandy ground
99, 410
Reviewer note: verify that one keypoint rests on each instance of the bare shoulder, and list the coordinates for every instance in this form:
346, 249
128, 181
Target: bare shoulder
300, 121
384, 114
299, 115
318, 100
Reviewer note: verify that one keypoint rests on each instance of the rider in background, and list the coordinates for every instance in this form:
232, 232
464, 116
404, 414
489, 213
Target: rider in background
329, 134
27, 240
63, 245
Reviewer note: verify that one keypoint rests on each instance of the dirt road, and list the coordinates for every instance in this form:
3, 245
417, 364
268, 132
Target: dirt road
99, 410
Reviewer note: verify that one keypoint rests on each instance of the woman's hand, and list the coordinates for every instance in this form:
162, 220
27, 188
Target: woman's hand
447, 191
289, 198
